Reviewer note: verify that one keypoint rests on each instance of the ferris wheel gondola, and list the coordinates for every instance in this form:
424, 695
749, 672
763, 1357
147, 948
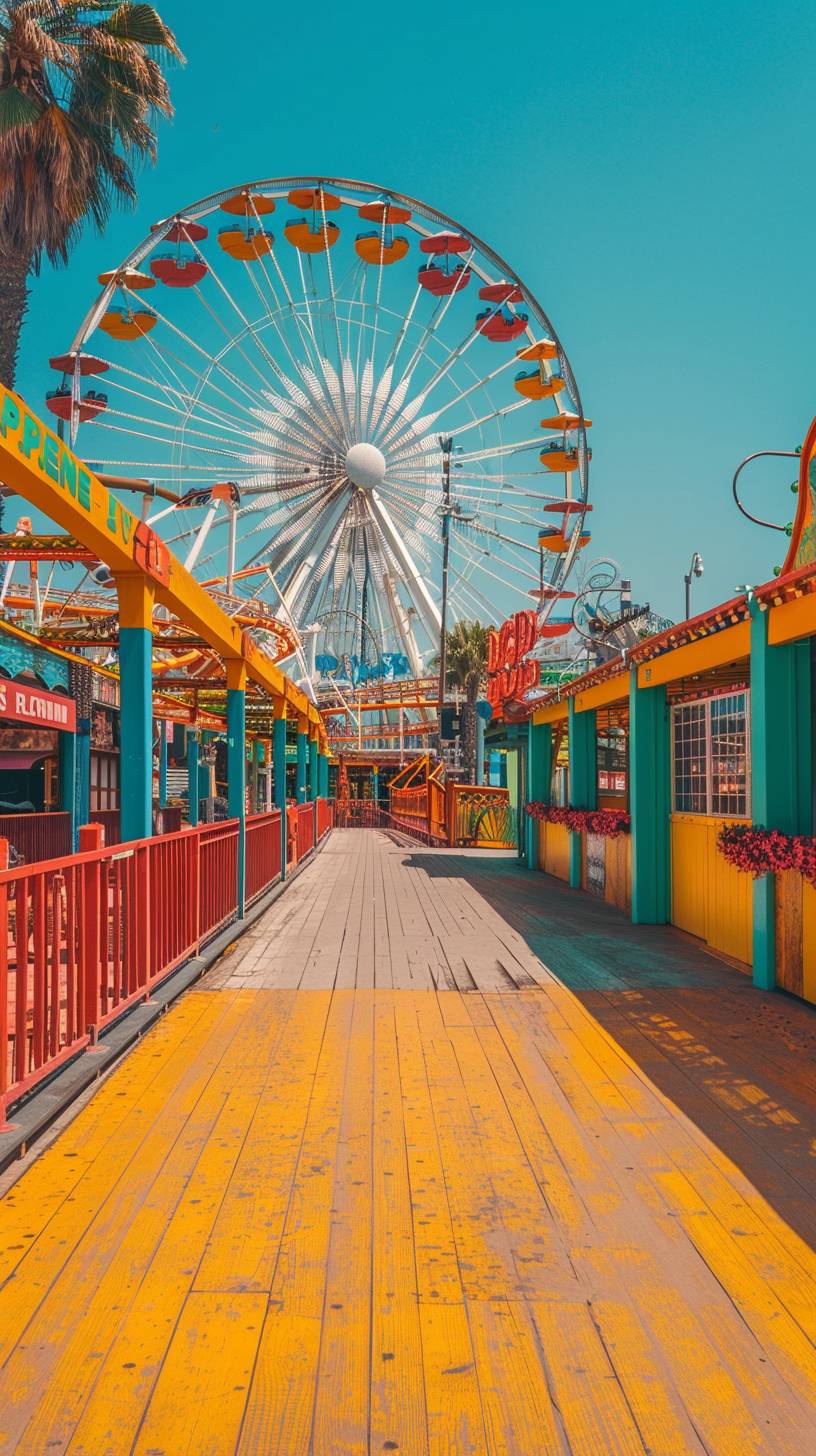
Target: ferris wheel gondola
324, 370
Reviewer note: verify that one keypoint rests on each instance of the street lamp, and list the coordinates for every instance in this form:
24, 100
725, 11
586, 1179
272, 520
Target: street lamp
695, 569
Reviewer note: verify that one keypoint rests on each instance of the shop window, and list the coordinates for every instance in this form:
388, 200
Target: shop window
710, 752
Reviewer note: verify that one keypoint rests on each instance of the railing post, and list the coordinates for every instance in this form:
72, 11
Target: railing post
279, 770
91, 837
236, 764
136, 715
4, 990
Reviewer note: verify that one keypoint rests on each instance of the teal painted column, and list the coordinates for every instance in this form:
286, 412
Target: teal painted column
67, 743
583, 777
162, 764
192, 778
279, 771
313, 789
300, 767
83, 775
781, 766
323, 776
375, 784
136, 708
236, 765
650, 803
480, 747
539, 778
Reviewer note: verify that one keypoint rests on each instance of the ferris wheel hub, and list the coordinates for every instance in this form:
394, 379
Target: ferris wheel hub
365, 466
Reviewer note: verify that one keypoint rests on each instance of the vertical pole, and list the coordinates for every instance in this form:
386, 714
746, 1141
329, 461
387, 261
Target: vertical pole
446, 445
480, 747
539, 778
192, 778
781, 766
650, 803
375, 785
583, 775
67, 779
162, 764
324, 776
300, 768
279, 768
236, 763
136, 707
83, 775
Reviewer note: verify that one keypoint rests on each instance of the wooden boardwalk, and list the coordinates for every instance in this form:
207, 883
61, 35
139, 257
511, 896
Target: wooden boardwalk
441, 1158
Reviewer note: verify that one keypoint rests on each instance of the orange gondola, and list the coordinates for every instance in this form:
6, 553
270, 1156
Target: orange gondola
500, 327
58, 401
383, 212
553, 539
536, 384
561, 457
439, 243
311, 239
130, 278
441, 281
245, 244
88, 363
315, 198
184, 230
125, 323
248, 204
566, 420
541, 349
374, 248
501, 293
177, 271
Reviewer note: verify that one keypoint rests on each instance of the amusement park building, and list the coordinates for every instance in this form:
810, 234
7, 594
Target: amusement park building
718, 720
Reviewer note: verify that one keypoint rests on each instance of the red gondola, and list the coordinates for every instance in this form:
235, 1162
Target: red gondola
178, 272
500, 327
441, 282
183, 231
555, 627
90, 405
501, 293
88, 363
439, 243
567, 507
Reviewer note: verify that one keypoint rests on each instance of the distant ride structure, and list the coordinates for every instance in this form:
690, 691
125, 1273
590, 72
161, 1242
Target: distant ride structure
287, 371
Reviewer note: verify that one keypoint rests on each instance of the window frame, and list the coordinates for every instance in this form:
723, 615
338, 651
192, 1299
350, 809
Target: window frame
705, 702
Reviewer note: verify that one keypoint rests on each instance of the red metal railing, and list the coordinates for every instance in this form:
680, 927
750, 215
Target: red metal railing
324, 818
37, 836
263, 853
305, 829
84, 937
218, 875
357, 814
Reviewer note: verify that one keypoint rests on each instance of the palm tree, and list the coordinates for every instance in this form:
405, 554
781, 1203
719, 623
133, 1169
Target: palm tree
81, 86
466, 651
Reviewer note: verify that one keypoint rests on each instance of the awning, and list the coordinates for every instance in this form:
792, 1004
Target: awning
21, 760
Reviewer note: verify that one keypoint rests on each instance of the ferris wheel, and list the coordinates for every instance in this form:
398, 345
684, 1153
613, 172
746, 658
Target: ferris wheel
311, 381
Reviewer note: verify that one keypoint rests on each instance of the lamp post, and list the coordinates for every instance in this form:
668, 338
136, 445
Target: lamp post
445, 445
695, 569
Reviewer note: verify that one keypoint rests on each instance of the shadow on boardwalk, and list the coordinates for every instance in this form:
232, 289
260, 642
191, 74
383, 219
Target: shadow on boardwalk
740, 1063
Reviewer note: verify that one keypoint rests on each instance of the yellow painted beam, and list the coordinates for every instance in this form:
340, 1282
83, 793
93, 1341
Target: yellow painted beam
729, 645
600, 695
41, 468
552, 713
792, 619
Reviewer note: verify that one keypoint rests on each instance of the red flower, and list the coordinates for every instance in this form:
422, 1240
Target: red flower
758, 851
607, 822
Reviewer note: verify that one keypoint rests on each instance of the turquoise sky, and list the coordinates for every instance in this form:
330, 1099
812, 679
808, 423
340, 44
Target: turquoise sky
646, 171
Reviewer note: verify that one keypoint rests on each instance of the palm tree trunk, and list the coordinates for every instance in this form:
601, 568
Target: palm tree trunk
469, 732
15, 267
